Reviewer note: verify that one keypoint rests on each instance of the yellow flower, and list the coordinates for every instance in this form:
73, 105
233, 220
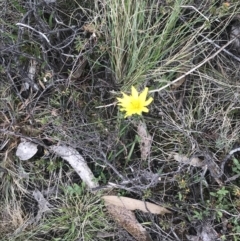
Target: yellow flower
135, 103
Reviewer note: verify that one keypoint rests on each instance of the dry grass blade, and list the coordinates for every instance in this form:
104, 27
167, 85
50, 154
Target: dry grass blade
193, 69
133, 204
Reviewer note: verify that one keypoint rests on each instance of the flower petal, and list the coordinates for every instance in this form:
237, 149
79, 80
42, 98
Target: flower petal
149, 101
143, 95
125, 100
145, 109
134, 93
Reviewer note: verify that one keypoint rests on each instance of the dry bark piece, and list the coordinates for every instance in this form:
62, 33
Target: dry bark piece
126, 219
133, 204
77, 162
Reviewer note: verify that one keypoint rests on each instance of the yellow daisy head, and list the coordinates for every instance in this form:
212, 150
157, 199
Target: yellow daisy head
134, 103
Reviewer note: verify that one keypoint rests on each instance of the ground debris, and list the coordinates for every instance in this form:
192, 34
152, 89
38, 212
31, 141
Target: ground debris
77, 162
133, 204
126, 219
205, 232
194, 161
145, 140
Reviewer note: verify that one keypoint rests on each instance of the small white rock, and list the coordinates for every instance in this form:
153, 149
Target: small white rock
26, 150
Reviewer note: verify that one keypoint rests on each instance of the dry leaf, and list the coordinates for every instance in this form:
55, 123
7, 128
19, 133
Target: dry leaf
145, 140
179, 82
77, 162
133, 204
208, 163
89, 27
81, 63
194, 161
126, 219
79, 68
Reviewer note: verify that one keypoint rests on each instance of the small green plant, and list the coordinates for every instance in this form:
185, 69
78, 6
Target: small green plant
75, 190
221, 201
236, 166
200, 214
235, 228
220, 194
